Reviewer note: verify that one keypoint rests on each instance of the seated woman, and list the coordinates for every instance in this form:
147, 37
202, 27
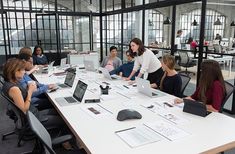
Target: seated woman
193, 44
111, 62
125, 69
171, 81
13, 72
211, 88
38, 57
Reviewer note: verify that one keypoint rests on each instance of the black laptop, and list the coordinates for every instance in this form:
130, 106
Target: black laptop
195, 107
69, 79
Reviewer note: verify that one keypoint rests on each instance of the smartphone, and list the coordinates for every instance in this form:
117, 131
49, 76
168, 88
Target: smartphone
52, 90
167, 104
92, 100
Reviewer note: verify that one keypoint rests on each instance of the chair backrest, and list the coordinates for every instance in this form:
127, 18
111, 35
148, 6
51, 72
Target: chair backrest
229, 90
184, 58
185, 80
15, 113
217, 48
40, 131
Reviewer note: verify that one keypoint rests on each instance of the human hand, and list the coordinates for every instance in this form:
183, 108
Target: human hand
32, 86
51, 86
154, 85
178, 100
127, 79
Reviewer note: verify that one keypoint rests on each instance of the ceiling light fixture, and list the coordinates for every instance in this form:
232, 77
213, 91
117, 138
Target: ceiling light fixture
217, 22
194, 23
167, 21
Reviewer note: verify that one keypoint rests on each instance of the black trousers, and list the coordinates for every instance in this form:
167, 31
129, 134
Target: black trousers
156, 76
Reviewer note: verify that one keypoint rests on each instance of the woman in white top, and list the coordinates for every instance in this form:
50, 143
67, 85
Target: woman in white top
146, 61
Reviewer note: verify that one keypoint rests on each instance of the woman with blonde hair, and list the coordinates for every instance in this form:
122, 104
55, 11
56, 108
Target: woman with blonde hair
171, 81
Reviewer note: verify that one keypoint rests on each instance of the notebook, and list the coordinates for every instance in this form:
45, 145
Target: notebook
77, 97
69, 79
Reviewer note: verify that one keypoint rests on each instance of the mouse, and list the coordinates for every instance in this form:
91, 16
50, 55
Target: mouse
128, 114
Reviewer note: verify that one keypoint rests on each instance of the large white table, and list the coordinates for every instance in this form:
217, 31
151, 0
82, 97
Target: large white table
212, 134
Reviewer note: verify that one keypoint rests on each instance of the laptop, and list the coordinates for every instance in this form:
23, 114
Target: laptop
143, 86
69, 79
48, 68
77, 97
89, 65
63, 62
195, 107
106, 74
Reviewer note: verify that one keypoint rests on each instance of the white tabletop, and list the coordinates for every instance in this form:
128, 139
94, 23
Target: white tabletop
211, 134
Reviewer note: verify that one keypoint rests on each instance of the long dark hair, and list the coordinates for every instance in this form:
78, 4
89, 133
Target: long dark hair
141, 46
210, 72
35, 48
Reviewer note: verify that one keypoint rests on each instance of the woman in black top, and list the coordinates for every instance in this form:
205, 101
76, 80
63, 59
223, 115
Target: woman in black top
171, 81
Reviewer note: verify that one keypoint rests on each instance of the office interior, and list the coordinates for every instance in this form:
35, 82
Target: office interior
93, 26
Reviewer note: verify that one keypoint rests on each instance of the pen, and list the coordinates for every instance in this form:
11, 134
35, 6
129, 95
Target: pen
125, 86
124, 130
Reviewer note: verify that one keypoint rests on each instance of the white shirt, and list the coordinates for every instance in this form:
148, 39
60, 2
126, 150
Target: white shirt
148, 61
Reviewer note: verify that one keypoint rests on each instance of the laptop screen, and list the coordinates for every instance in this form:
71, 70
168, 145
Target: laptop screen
70, 78
80, 90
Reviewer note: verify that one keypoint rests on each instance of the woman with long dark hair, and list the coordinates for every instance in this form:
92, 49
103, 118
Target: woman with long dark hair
38, 56
211, 88
146, 61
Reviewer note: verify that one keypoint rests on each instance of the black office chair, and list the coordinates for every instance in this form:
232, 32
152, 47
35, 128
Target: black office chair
185, 80
186, 61
21, 125
229, 91
44, 142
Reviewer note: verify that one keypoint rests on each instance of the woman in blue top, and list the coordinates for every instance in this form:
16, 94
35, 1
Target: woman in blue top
171, 81
125, 69
38, 57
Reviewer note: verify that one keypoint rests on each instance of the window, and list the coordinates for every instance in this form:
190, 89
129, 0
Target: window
194, 31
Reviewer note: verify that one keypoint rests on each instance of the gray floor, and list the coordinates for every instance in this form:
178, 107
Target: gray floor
9, 146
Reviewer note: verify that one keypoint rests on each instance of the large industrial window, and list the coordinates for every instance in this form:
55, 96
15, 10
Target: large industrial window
211, 30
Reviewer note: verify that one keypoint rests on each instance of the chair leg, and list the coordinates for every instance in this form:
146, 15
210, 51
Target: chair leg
7, 134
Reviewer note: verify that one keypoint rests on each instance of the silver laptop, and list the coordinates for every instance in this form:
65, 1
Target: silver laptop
77, 97
69, 79
106, 74
63, 62
89, 65
144, 87
48, 68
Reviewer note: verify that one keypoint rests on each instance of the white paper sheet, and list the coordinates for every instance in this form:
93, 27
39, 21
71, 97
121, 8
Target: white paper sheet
169, 131
138, 136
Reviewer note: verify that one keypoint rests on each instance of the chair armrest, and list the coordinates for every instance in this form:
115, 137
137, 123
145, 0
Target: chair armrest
61, 139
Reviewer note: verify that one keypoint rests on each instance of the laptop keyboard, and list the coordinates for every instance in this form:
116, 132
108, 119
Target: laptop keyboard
70, 99
62, 85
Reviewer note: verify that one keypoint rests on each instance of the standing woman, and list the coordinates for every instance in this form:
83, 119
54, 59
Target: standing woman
38, 57
146, 61
211, 88
171, 82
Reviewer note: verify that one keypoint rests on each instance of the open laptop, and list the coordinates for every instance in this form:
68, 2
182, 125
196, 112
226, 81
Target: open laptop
106, 74
63, 62
195, 107
69, 79
144, 87
77, 97
48, 68
89, 65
